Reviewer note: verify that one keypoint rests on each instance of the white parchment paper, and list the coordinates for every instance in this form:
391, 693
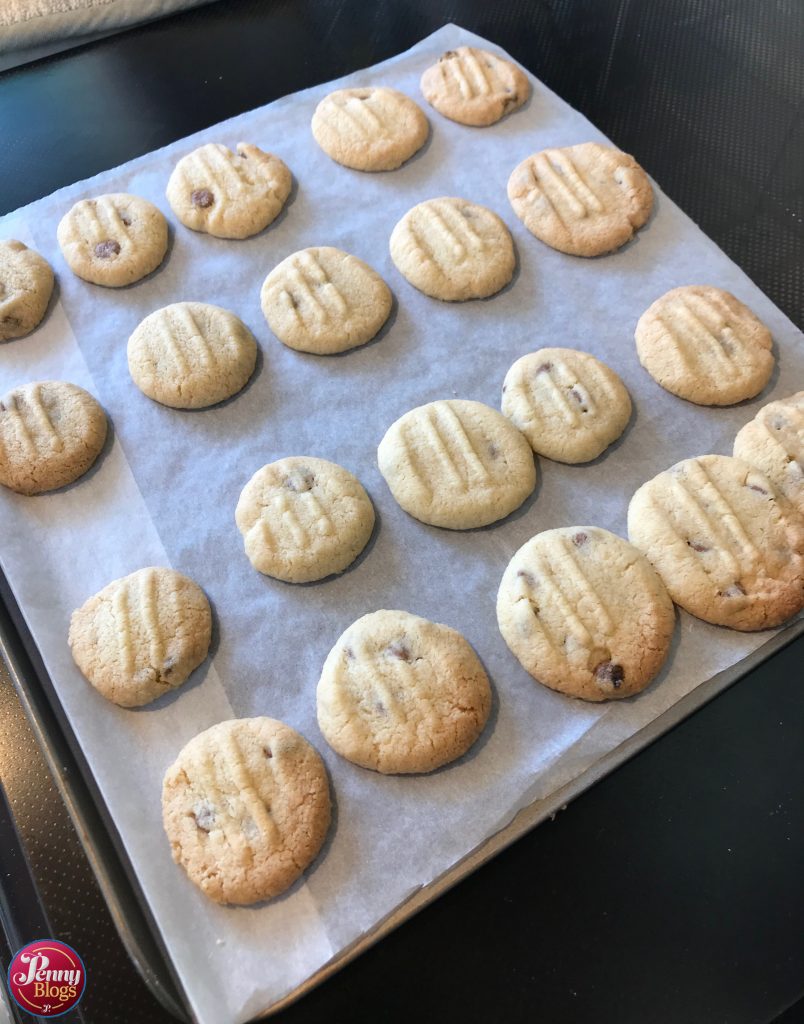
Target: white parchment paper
165, 493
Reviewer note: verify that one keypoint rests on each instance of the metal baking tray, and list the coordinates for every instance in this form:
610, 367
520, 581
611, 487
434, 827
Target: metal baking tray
110, 864
116, 878
87, 811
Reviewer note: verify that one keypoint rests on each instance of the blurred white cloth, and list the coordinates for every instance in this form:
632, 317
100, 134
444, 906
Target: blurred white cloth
28, 23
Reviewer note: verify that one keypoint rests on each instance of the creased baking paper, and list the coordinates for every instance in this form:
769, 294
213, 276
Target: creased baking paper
166, 489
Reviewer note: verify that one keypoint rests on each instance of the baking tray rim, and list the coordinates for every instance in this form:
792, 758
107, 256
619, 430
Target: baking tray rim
86, 808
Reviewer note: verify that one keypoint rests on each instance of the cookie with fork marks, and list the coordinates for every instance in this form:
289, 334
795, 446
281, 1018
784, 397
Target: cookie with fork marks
583, 200
246, 808
568, 404
369, 129
113, 240
704, 345
474, 87
453, 250
228, 194
51, 433
585, 613
26, 284
727, 549
191, 355
457, 464
142, 635
773, 442
400, 694
303, 519
322, 300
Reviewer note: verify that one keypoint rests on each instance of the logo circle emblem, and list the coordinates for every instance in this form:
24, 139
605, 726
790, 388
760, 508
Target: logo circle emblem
47, 977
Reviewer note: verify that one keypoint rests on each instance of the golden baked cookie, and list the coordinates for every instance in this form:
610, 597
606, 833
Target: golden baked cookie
322, 300
26, 284
399, 694
773, 442
191, 355
456, 464
585, 613
246, 808
474, 87
727, 549
113, 240
369, 129
453, 250
703, 344
569, 405
142, 635
226, 194
303, 519
584, 200
51, 432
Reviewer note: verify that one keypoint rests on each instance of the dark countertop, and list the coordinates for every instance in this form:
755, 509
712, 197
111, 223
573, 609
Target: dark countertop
672, 892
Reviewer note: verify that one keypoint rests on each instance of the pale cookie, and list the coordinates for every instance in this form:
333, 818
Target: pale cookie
702, 344
51, 432
474, 87
456, 464
727, 550
26, 284
584, 200
453, 250
303, 519
400, 694
370, 129
568, 404
191, 355
246, 808
113, 240
226, 194
584, 613
142, 635
773, 442
323, 300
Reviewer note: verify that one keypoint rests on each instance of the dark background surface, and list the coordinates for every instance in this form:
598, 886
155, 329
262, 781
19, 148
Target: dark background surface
673, 892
